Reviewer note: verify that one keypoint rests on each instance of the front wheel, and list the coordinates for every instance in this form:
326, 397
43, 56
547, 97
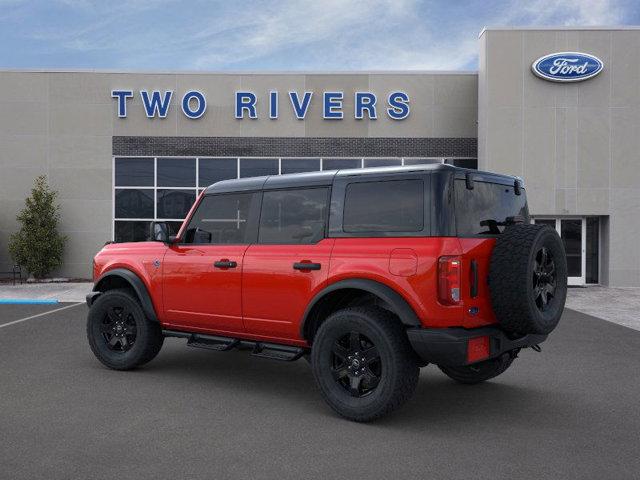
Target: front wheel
363, 363
119, 333
481, 371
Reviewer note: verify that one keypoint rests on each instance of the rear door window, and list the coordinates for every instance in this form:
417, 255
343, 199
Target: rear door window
487, 208
384, 206
295, 216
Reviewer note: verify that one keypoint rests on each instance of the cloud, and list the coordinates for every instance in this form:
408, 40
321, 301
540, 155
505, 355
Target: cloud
284, 34
569, 12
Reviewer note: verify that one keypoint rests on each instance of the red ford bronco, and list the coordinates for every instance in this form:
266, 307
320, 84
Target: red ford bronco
369, 274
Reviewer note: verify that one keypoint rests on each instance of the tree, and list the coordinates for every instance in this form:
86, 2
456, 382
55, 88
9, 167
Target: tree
37, 246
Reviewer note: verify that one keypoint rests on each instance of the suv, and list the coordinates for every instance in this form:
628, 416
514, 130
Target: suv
369, 274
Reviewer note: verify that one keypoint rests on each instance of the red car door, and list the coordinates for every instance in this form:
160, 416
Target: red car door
289, 264
202, 274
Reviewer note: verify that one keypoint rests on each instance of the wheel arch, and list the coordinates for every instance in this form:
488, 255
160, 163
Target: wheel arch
122, 277
390, 299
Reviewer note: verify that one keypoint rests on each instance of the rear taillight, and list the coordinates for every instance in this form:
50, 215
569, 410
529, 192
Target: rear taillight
449, 280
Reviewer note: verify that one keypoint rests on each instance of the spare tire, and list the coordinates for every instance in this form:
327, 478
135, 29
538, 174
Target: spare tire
528, 279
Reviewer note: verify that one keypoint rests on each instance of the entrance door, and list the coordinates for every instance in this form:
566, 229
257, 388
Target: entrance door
572, 231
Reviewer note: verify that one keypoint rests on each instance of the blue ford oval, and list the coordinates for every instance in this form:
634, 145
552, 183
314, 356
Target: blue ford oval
567, 66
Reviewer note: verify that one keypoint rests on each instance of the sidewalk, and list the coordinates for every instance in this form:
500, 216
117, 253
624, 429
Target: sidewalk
614, 304
62, 292
617, 305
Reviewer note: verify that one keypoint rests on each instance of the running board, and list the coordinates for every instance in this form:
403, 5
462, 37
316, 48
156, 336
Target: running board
273, 351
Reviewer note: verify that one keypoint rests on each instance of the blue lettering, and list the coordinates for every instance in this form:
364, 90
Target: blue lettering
273, 105
398, 105
156, 105
365, 101
200, 100
122, 96
332, 105
246, 101
300, 109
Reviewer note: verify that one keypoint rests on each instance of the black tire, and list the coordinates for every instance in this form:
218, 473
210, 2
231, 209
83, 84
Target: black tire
479, 372
528, 279
119, 333
386, 382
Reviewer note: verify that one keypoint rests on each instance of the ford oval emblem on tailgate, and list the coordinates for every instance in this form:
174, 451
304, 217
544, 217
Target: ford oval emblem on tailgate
567, 66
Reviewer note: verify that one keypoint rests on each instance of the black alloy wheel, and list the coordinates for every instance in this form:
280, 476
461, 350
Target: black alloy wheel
119, 333
356, 364
544, 278
119, 328
528, 279
363, 362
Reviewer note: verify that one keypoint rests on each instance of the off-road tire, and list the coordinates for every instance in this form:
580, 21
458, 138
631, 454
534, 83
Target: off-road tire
513, 273
148, 337
479, 372
398, 366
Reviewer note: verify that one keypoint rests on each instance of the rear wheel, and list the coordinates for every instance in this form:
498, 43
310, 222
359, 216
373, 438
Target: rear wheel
481, 371
363, 363
119, 333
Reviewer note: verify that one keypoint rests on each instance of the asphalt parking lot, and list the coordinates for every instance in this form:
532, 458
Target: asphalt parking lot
572, 411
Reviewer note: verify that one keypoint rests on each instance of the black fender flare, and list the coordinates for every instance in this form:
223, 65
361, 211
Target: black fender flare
396, 301
135, 282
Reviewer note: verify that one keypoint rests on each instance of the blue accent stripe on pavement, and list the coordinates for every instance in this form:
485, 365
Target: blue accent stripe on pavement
26, 301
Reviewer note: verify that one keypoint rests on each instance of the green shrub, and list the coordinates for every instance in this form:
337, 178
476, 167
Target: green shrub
37, 246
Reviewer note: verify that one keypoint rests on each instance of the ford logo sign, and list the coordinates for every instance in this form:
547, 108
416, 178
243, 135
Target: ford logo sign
567, 66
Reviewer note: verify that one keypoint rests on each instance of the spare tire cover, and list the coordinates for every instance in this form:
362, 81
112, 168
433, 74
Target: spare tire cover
528, 279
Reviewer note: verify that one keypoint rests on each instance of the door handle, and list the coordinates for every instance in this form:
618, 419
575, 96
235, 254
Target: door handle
225, 264
306, 266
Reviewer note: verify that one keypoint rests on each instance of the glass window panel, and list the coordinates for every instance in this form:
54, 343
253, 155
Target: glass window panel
571, 234
593, 239
485, 209
464, 162
174, 227
175, 203
220, 219
258, 167
212, 170
299, 165
134, 172
338, 163
176, 172
131, 231
134, 203
381, 162
399, 206
293, 216
421, 161
545, 221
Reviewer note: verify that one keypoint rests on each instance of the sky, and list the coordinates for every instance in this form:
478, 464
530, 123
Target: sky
280, 35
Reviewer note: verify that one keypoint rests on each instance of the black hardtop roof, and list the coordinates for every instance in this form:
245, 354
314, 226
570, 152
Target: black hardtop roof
326, 178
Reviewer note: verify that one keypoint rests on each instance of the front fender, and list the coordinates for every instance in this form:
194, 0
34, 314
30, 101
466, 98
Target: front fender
134, 281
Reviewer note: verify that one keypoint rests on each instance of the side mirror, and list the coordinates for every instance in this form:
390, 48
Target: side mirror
159, 232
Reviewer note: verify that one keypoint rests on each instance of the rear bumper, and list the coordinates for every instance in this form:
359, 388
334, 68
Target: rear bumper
448, 346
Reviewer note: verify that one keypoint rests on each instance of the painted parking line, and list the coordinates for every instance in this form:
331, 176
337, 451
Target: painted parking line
40, 314
27, 301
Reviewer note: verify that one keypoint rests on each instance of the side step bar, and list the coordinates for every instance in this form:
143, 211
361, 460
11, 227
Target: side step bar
274, 351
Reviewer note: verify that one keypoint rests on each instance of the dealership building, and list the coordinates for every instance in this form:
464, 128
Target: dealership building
123, 149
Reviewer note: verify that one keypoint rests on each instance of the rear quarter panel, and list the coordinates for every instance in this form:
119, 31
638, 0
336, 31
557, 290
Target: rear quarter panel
371, 258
